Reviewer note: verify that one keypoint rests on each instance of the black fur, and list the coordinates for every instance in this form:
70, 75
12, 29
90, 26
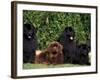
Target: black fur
69, 45
29, 43
83, 54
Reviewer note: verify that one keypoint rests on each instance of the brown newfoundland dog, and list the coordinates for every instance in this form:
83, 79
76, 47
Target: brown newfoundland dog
51, 55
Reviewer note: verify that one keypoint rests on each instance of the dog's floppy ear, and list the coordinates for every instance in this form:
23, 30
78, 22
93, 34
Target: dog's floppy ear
34, 28
45, 51
61, 47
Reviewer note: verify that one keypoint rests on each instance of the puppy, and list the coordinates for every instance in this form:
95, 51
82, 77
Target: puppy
66, 39
29, 43
83, 54
51, 55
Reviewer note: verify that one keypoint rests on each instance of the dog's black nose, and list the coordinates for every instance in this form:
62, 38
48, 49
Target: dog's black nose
54, 53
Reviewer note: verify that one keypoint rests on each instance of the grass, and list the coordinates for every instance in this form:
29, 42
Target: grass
37, 66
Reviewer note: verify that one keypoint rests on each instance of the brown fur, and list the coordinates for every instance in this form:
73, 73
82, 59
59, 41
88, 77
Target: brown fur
51, 55
41, 57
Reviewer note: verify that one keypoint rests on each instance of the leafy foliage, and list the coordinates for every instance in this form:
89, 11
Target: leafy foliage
49, 25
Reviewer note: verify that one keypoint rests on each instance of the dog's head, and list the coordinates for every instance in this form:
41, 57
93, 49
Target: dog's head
54, 49
29, 31
84, 49
69, 33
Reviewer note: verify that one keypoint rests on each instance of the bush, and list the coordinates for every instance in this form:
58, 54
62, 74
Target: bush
49, 25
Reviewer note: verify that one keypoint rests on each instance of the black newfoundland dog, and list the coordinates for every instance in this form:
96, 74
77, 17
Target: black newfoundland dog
82, 54
69, 45
29, 43
73, 53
